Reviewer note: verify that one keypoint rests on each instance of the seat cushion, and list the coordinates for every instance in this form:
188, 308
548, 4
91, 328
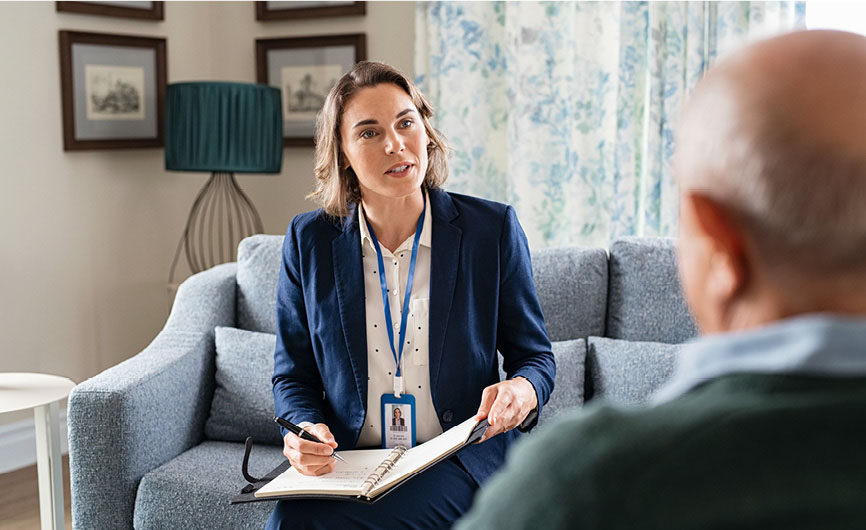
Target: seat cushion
572, 289
568, 387
243, 401
194, 489
626, 371
645, 300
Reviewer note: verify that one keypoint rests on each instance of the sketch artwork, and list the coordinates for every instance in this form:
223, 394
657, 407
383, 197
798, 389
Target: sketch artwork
305, 88
114, 92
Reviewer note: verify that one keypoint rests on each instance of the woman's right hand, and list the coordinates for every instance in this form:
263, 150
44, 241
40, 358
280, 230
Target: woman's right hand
311, 458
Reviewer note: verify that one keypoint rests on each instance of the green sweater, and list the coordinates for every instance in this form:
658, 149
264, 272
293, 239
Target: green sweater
743, 451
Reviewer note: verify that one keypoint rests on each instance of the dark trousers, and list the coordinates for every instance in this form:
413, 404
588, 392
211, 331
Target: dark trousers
434, 499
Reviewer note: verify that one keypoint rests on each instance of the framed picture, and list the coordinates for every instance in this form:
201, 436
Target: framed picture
147, 10
294, 10
305, 69
113, 90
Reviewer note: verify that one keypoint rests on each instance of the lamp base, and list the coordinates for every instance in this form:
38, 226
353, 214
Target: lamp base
221, 216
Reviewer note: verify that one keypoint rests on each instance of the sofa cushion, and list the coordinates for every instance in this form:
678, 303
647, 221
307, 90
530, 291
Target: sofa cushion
645, 302
626, 371
572, 288
568, 387
571, 282
243, 401
193, 490
259, 259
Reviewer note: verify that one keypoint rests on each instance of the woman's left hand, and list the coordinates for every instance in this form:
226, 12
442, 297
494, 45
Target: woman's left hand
506, 405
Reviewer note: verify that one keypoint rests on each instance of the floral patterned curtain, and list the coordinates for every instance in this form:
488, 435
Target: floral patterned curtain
566, 109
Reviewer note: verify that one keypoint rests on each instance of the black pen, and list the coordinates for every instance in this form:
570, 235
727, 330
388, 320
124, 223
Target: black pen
303, 434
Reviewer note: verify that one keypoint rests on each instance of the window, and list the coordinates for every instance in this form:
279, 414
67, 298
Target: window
846, 16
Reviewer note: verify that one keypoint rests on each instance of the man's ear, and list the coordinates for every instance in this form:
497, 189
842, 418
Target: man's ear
728, 263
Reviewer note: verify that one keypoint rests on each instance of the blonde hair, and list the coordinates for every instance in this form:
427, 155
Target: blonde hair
337, 188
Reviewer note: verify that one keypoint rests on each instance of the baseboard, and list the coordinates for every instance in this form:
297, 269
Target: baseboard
18, 443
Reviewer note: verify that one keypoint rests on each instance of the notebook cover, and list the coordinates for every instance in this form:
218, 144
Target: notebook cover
249, 492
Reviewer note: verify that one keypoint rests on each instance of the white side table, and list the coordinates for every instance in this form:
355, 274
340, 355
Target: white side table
42, 393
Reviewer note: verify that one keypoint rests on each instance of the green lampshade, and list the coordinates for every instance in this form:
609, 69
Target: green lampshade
222, 126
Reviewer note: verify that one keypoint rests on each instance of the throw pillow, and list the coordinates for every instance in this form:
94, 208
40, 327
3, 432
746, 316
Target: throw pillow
243, 401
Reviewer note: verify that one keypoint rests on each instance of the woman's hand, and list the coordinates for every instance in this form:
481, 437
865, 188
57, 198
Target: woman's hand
506, 405
311, 458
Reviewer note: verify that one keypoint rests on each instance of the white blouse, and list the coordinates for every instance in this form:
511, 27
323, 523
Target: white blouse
381, 366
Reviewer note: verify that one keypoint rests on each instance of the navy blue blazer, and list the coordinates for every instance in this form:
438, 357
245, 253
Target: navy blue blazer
482, 299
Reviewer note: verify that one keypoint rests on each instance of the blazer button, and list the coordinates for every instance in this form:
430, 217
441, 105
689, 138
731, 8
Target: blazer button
447, 416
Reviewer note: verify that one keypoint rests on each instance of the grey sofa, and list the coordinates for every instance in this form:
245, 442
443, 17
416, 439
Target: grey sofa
156, 441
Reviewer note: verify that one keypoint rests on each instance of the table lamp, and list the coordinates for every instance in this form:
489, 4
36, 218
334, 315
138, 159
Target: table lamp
224, 128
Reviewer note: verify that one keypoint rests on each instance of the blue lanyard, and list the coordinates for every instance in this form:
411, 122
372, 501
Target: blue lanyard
398, 356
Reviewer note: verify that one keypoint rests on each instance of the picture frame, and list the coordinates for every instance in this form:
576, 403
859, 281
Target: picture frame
304, 69
147, 10
300, 10
112, 90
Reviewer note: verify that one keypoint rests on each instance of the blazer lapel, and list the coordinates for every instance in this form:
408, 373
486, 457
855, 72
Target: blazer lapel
349, 283
445, 260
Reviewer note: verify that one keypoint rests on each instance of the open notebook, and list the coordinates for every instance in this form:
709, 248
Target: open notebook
367, 474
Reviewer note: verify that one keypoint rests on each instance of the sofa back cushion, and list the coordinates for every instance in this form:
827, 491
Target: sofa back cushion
568, 387
571, 284
259, 259
572, 288
626, 371
645, 302
243, 401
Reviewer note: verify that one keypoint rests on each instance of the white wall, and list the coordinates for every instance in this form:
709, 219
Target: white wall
87, 238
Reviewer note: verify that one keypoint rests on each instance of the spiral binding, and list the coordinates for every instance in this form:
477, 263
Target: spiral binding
382, 470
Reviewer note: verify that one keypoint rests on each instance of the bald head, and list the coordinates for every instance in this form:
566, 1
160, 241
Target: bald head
777, 134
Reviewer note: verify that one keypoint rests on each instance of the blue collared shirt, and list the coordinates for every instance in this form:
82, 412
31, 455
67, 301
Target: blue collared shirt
821, 345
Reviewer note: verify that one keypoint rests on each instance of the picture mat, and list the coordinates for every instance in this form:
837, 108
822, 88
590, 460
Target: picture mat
327, 55
99, 54
298, 5
131, 3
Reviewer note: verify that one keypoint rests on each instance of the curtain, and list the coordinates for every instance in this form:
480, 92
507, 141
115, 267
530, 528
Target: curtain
566, 110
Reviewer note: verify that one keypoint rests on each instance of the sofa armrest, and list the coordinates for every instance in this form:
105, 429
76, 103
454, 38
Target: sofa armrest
135, 416
206, 300
132, 418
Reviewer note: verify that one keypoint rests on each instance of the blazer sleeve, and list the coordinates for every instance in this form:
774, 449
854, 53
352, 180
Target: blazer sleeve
521, 334
298, 389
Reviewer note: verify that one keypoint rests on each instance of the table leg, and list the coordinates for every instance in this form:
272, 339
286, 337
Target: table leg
49, 466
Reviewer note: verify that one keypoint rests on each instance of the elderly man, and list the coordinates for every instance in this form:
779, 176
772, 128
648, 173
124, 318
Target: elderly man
764, 423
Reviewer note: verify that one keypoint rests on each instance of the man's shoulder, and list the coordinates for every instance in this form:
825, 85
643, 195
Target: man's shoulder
577, 465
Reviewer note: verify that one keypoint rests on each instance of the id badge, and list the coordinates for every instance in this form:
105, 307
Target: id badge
398, 420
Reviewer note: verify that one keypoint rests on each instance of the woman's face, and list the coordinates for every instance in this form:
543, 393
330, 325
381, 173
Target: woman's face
397, 413
384, 141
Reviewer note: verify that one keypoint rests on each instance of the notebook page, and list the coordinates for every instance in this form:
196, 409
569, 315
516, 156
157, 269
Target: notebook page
346, 479
420, 456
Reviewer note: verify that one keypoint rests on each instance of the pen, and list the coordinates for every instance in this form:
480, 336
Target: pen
303, 434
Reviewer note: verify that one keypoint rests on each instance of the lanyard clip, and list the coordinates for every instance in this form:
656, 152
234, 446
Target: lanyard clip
398, 386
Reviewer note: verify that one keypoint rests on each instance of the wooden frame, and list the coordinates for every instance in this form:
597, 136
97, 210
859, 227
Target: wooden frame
299, 131
112, 127
156, 11
263, 12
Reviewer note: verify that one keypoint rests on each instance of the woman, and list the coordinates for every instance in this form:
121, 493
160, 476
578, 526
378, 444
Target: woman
398, 292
